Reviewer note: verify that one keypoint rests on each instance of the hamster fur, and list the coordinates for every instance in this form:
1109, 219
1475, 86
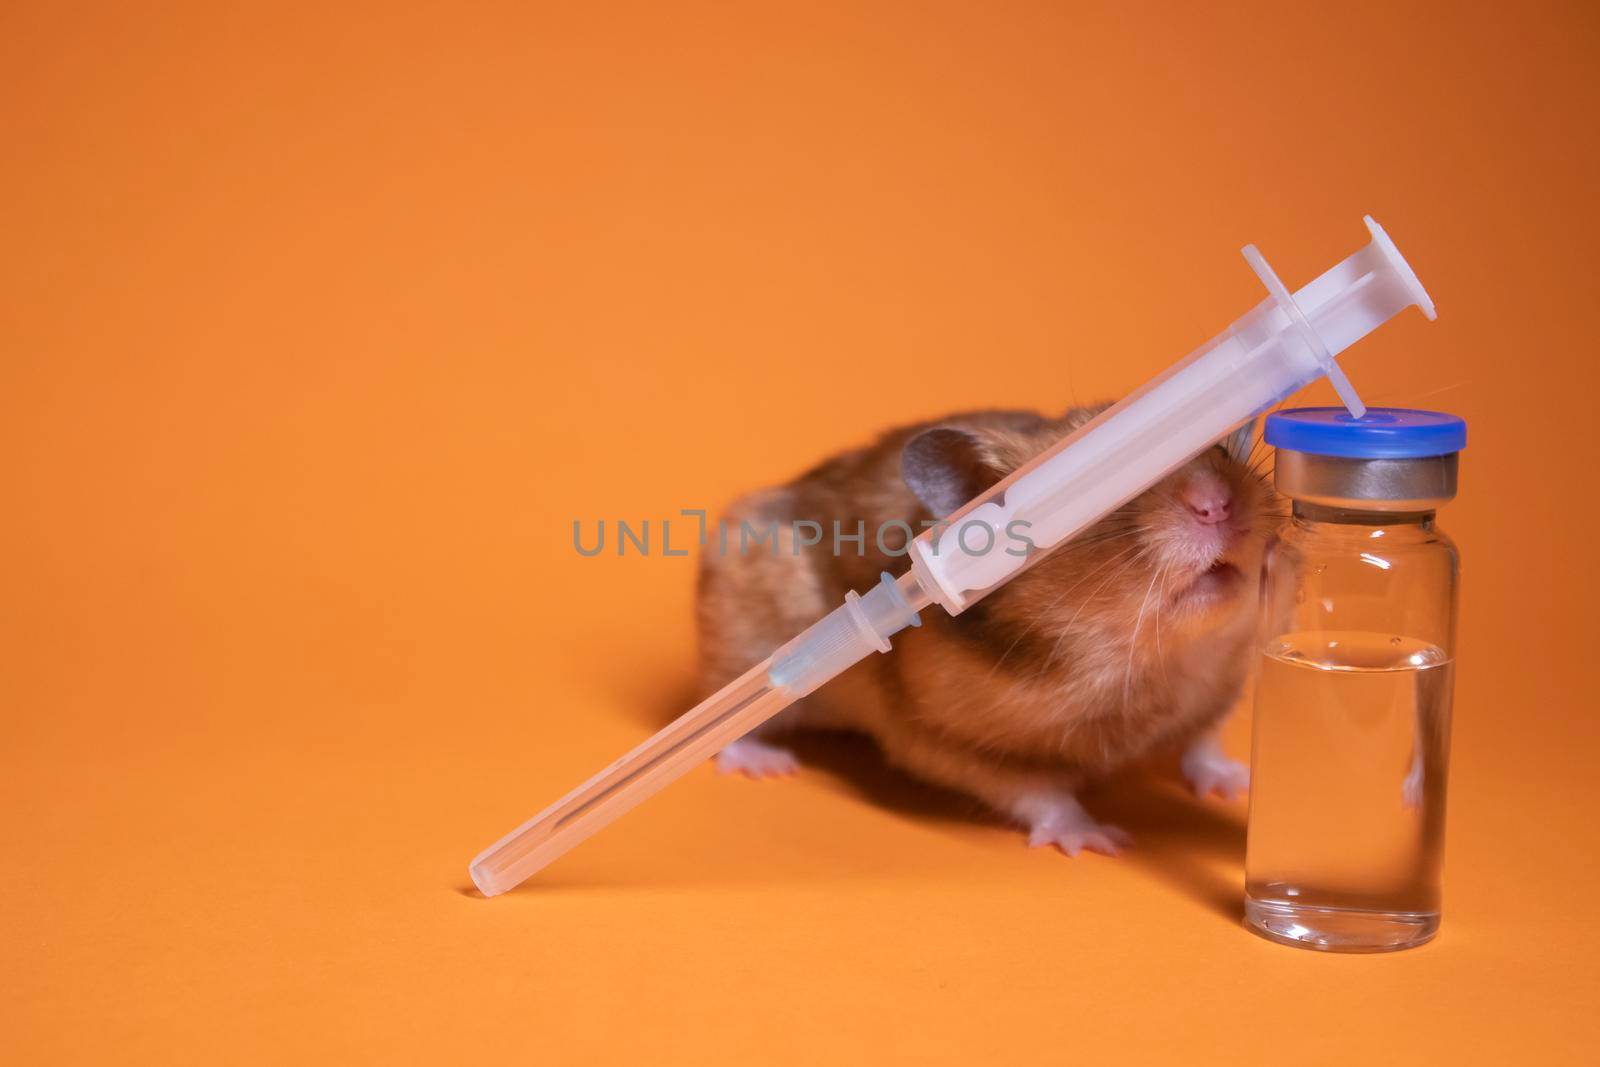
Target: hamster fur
1130, 638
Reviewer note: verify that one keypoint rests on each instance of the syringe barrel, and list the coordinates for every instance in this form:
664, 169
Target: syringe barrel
1280, 345
859, 627
655, 763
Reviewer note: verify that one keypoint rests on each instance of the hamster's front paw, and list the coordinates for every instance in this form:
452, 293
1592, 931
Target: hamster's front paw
756, 759
1061, 821
1209, 770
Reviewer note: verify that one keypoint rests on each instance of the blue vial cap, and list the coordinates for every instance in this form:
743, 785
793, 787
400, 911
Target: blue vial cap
1382, 433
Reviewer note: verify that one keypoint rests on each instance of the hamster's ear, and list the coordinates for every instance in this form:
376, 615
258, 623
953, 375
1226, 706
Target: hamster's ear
947, 467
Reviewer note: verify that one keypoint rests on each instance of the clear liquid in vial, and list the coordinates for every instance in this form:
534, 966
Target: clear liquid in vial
1347, 791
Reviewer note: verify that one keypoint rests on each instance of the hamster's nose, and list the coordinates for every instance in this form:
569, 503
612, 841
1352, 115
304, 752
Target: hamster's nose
1209, 499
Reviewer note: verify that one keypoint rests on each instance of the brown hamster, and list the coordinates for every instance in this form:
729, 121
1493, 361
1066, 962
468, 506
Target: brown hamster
1131, 637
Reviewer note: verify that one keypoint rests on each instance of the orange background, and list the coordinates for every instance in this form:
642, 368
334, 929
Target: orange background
321, 325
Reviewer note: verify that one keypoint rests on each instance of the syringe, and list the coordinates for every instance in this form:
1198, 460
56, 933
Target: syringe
1285, 342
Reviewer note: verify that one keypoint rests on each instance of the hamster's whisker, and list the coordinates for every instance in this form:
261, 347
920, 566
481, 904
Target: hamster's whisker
1041, 615
1435, 392
1066, 631
1049, 659
1261, 462
1133, 641
1161, 656
1101, 539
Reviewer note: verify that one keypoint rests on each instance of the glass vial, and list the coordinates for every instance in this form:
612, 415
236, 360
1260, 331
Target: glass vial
1352, 707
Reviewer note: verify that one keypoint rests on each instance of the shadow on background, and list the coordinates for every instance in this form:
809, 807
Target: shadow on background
1194, 846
